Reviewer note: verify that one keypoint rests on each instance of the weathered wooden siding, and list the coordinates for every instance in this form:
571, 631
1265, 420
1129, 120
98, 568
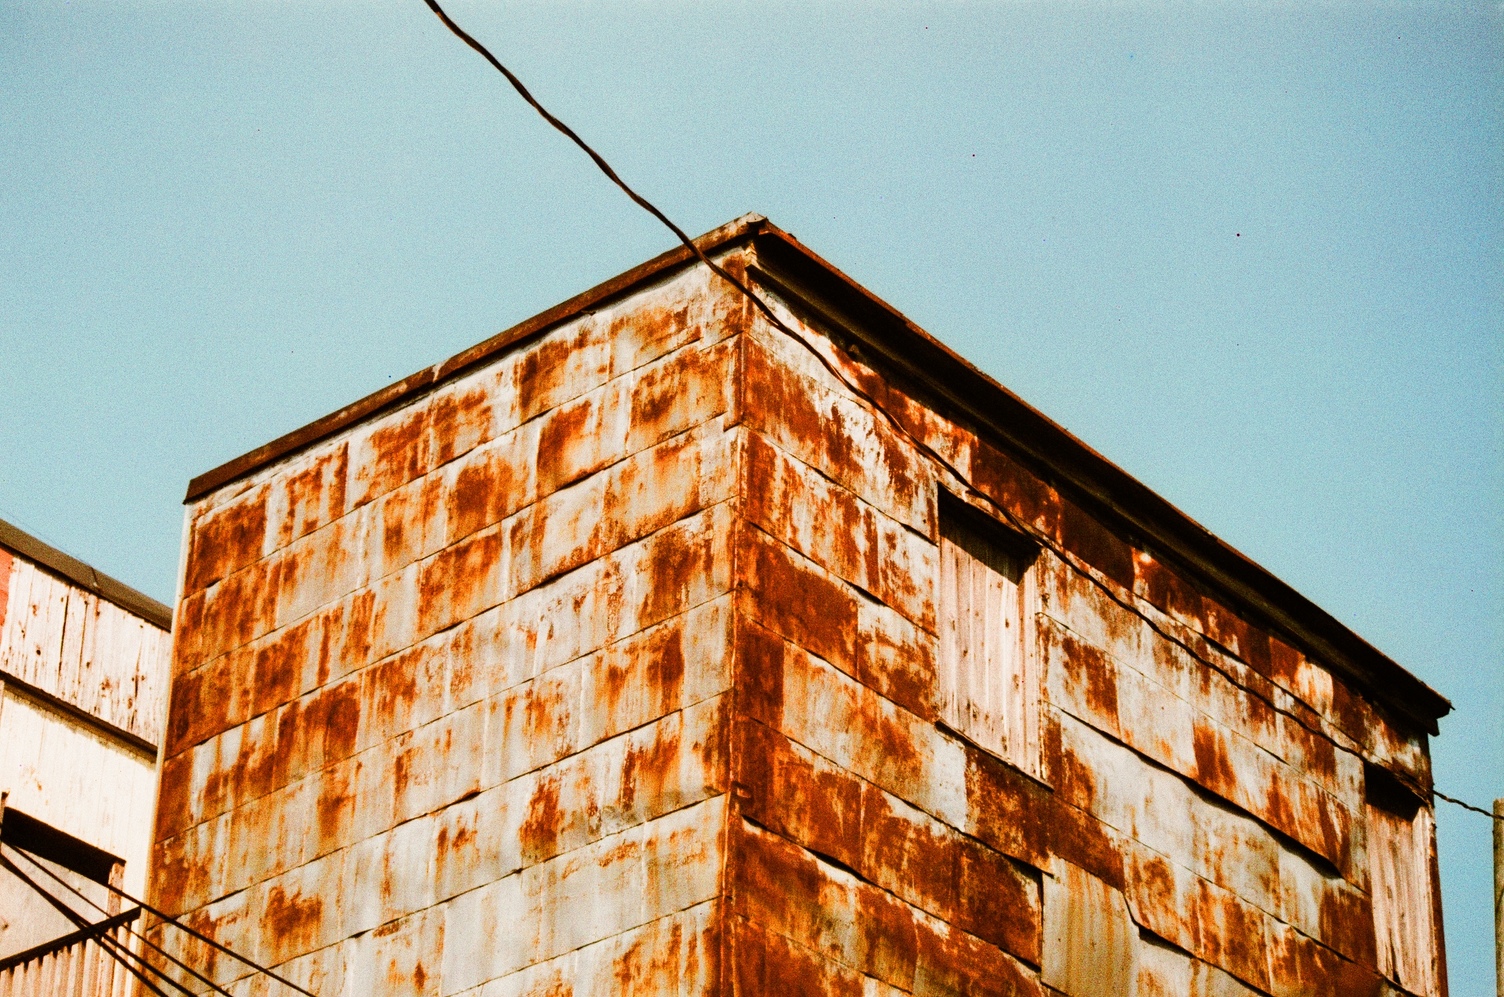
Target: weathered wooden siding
84, 650
449, 690
1198, 825
82, 704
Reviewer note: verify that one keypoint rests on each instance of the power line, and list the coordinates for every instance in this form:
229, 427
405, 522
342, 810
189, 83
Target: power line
105, 942
840, 376
605, 168
169, 919
147, 941
1467, 806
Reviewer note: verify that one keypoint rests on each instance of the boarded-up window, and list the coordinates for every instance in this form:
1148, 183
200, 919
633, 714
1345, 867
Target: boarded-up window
987, 660
1400, 832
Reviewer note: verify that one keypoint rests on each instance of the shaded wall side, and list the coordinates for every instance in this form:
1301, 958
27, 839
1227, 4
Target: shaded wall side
448, 698
1203, 783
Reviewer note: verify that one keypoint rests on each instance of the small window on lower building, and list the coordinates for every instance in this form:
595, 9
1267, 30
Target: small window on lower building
1400, 832
988, 671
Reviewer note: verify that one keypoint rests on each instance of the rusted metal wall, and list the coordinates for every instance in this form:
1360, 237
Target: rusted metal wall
449, 688
610, 667
1198, 826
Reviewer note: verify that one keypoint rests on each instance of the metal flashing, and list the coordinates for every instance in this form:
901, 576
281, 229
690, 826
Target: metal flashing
73, 570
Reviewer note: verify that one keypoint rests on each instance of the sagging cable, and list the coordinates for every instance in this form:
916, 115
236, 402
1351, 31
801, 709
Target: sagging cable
144, 940
103, 939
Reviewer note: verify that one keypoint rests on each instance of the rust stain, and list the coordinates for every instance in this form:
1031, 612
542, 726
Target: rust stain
292, 921
566, 452
1082, 535
654, 329
1213, 768
797, 602
315, 495
335, 809
760, 679
540, 830
393, 455
487, 488
226, 540
648, 772
5, 568
675, 562
458, 422
1096, 674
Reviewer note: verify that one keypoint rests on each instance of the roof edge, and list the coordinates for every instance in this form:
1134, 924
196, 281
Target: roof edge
71, 569
1089, 476
1098, 483
416, 384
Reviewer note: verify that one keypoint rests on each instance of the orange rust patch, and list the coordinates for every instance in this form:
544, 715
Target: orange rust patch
315, 495
1092, 670
539, 834
461, 581
173, 796
1346, 924
341, 706
780, 790
759, 682
556, 369
224, 541
767, 963
1213, 769
5, 567
795, 601
279, 668
488, 488
1007, 483
1163, 587
393, 456
458, 422
675, 562
566, 450
901, 671
240, 608
292, 921
647, 772
335, 810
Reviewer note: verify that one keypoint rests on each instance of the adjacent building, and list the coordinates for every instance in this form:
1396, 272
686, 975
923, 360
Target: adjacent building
655, 647
83, 697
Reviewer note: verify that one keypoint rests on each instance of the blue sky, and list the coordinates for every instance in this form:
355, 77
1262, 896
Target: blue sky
1251, 251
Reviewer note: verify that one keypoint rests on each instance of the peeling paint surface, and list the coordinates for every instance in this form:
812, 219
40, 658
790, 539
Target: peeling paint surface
612, 666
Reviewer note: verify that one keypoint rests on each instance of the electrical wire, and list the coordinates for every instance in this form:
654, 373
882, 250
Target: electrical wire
605, 167
169, 919
103, 940
146, 941
762, 306
1467, 806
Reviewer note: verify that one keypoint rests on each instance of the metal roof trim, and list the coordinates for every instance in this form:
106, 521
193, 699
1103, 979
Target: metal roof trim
424, 380
71, 569
1104, 487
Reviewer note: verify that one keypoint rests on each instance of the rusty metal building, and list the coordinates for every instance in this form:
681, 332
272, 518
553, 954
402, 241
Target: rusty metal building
648, 648
83, 697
